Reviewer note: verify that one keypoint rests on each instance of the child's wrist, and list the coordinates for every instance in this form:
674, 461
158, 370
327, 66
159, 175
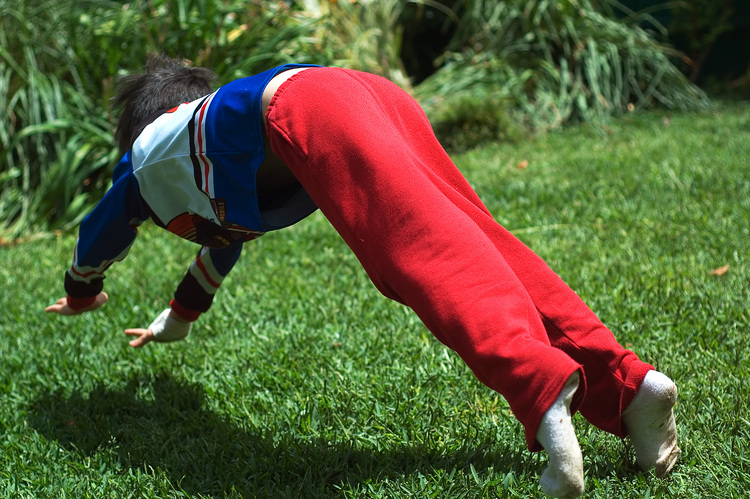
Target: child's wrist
177, 317
80, 303
184, 313
167, 328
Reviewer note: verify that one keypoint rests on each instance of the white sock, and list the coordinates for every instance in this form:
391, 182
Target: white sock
650, 422
166, 328
564, 474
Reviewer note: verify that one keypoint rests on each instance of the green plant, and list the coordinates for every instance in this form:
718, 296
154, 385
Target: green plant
58, 61
361, 34
466, 121
560, 61
234, 38
44, 112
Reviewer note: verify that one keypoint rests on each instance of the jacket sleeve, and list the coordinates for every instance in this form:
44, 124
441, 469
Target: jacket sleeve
196, 291
105, 236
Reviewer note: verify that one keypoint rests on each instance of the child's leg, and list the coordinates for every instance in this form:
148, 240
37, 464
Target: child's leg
612, 375
357, 145
397, 199
624, 395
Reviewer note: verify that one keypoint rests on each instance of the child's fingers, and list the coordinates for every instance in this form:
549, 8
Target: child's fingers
143, 336
57, 307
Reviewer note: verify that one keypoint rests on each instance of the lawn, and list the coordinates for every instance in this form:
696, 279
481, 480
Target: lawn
303, 381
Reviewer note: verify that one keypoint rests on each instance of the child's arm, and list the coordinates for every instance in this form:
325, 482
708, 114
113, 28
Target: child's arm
105, 236
196, 291
194, 296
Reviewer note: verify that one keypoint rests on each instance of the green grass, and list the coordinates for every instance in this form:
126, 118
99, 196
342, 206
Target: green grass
303, 382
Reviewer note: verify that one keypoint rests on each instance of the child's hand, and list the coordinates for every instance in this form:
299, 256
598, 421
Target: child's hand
61, 306
165, 328
143, 336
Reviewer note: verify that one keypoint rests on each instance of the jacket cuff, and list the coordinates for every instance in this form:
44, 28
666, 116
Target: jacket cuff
79, 303
184, 312
81, 290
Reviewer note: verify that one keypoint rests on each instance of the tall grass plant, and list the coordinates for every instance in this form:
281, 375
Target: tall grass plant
52, 136
558, 62
58, 64
363, 34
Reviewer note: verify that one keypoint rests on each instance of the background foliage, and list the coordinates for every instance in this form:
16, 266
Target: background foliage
497, 71
57, 75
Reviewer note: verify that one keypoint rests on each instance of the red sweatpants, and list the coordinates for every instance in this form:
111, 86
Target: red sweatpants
366, 154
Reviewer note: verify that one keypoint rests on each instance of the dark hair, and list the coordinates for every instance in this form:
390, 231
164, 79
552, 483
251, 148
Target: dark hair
166, 83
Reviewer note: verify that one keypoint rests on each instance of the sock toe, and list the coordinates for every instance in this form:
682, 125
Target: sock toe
651, 424
664, 465
562, 484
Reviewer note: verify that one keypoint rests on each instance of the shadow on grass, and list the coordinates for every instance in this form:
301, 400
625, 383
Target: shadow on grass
201, 452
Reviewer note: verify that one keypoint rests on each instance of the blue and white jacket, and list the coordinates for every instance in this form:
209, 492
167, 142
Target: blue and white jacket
193, 171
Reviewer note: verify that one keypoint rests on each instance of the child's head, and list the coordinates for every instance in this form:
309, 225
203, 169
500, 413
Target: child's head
166, 83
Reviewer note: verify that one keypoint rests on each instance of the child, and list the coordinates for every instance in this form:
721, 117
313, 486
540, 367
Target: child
261, 153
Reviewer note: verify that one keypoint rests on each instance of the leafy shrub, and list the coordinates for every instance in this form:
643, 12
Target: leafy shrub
560, 61
468, 120
364, 35
52, 136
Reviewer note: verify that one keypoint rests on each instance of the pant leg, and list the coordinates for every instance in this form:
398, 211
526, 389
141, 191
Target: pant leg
355, 142
380, 177
612, 374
